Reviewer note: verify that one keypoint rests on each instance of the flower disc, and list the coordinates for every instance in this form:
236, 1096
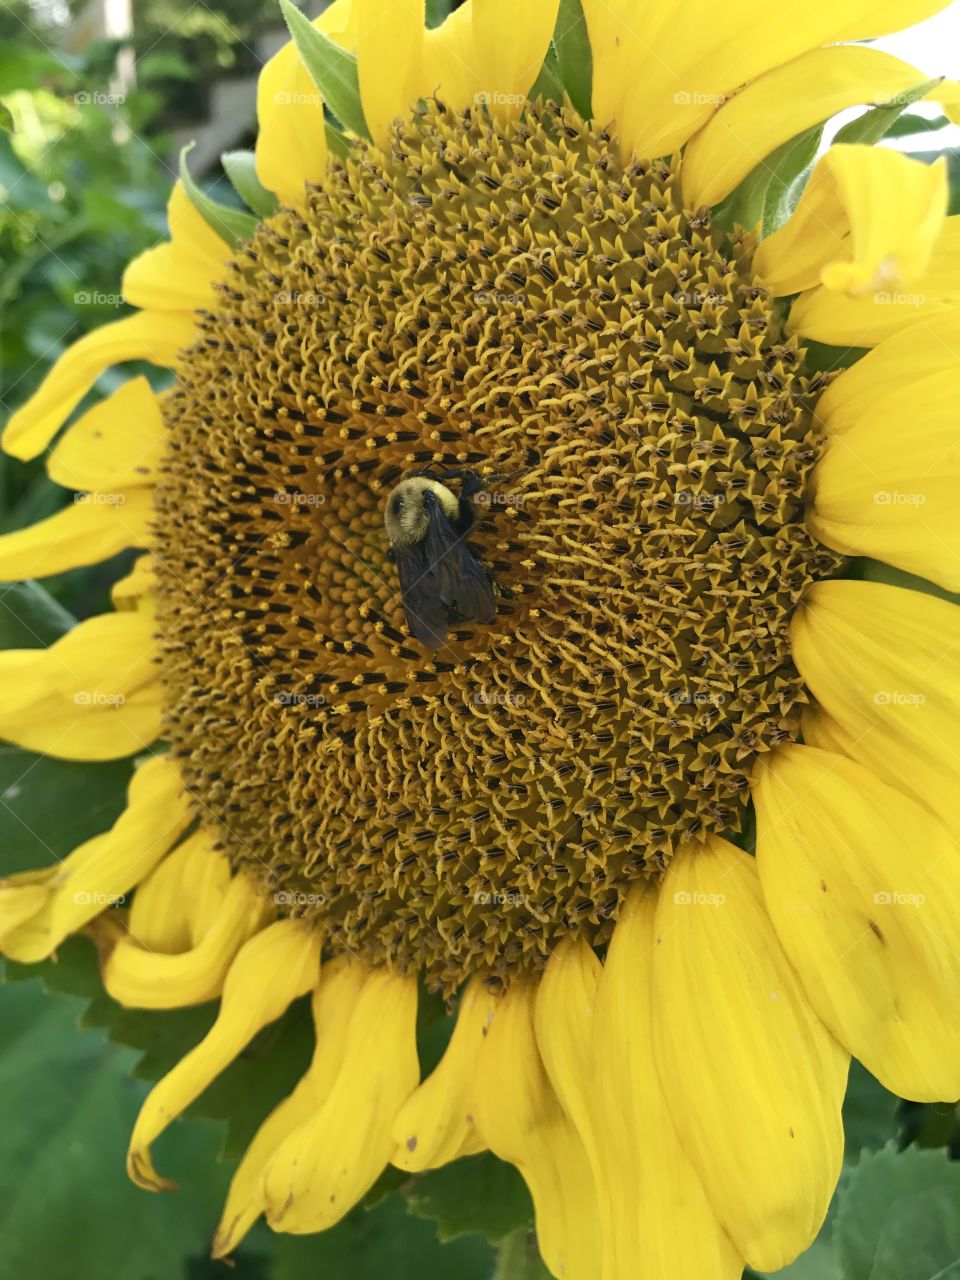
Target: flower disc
504, 298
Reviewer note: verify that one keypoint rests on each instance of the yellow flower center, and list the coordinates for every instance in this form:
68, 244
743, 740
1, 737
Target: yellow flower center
509, 300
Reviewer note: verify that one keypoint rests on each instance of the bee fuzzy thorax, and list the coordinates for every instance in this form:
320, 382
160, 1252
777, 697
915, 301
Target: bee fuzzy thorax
406, 515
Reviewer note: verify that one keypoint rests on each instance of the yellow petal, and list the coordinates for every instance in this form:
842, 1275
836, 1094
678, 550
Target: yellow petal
883, 662
291, 147
271, 970
784, 103
135, 590
657, 1219
320, 1172
179, 275
862, 887
389, 62
333, 1001
879, 490
93, 695
142, 978
907, 357
521, 1120
98, 873
754, 1080
154, 336
867, 221
21, 897
934, 296
661, 77
118, 444
449, 59
510, 44
435, 1124
164, 906
92, 528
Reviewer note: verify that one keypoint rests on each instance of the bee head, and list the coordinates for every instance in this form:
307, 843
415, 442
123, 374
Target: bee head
406, 517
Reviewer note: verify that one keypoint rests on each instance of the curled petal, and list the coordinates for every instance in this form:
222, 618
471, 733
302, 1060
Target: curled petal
102, 870
435, 1124
271, 970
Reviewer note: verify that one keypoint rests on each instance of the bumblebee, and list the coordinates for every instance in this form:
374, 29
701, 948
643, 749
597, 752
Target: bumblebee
441, 580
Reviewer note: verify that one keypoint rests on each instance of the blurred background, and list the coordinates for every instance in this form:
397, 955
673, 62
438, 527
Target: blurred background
96, 100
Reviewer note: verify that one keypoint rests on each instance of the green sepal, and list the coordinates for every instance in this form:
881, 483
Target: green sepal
332, 69
231, 225
574, 55
6, 119
338, 144
877, 122
769, 193
241, 168
549, 83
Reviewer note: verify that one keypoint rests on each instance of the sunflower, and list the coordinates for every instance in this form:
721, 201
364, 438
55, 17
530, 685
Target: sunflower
481, 259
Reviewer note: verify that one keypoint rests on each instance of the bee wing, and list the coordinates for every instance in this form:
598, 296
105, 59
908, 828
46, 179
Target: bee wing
427, 616
441, 581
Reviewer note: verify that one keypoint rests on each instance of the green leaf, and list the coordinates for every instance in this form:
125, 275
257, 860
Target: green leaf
476, 1194
6, 119
333, 70
231, 225
30, 618
819, 1262
48, 807
769, 193
518, 1259
379, 1244
899, 1217
877, 122
869, 1113
572, 43
68, 1208
910, 122
241, 168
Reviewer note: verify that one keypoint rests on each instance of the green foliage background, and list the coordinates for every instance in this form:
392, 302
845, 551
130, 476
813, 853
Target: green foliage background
82, 189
